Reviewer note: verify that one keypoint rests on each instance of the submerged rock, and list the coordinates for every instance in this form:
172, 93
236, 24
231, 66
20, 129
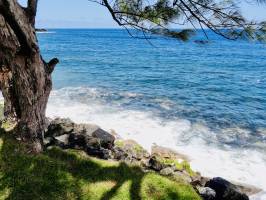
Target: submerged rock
225, 190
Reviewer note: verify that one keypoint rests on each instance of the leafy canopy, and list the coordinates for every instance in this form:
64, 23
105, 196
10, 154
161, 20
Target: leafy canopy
155, 16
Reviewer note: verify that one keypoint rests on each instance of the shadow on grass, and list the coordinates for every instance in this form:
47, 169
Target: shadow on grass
58, 174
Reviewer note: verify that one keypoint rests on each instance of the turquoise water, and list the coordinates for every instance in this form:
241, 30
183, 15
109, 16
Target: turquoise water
210, 96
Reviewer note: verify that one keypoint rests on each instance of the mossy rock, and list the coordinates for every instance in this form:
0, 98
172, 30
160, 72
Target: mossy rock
131, 149
167, 157
8, 125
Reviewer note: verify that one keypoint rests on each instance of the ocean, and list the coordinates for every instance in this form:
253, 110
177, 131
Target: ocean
207, 101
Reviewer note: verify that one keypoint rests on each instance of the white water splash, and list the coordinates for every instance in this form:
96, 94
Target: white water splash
197, 141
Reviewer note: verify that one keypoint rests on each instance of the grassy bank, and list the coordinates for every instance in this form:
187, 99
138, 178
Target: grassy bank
58, 174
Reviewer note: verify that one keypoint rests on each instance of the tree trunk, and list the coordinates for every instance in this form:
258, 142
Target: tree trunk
5, 82
27, 86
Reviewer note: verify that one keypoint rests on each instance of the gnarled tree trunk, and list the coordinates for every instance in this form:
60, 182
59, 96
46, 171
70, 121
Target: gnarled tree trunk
25, 78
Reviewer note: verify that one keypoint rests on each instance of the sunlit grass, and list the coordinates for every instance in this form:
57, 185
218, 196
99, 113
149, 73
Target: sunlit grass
58, 174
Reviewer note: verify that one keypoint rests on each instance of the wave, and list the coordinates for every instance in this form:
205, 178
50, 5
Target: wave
45, 32
210, 152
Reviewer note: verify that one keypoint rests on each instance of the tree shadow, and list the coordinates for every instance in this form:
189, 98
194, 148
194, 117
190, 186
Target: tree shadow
58, 174
90, 171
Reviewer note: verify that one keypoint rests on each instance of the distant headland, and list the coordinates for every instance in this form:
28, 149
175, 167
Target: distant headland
41, 30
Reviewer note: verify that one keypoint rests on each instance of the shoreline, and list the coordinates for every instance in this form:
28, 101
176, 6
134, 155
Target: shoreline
66, 134
146, 129
160, 159
255, 197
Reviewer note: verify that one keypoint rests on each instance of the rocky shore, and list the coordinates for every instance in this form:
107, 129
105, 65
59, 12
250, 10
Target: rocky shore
97, 142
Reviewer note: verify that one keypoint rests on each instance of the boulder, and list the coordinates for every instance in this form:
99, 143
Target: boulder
167, 153
85, 129
198, 180
130, 148
130, 152
48, 141
156, 164
106, 139
83, 141
99, 152
182, 176
119, 154
167, 171
225, 190
80, 134
206, 193
164, 157
62, 141
87, 137
59, 126
91, 130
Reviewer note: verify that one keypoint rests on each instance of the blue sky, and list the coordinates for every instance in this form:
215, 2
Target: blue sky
85, 14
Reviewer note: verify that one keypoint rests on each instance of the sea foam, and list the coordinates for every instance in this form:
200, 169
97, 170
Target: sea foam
207, 154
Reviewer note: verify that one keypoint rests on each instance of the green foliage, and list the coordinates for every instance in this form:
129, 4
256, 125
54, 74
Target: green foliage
58, 174
223, 17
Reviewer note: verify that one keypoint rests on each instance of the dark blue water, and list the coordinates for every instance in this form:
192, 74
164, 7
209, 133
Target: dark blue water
222, 83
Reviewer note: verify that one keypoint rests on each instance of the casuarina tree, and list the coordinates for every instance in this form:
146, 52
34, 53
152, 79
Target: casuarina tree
25, 77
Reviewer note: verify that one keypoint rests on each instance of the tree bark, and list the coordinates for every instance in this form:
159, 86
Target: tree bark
5, 82
27, 85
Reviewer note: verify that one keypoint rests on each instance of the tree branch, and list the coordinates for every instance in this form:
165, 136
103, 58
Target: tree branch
51, 65
16, 17
32, 10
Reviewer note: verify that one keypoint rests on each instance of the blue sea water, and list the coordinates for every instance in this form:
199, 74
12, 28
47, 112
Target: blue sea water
210, 96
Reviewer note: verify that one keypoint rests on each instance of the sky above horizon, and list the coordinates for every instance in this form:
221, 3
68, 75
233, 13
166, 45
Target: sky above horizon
85, 14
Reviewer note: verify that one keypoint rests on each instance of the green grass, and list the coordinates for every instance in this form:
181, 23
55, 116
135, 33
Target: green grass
58, 174
1, 110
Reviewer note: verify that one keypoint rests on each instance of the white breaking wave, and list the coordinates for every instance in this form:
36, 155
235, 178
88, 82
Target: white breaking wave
197, 141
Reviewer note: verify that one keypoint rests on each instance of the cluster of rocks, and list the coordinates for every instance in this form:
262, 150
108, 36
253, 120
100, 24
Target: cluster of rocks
97, 142
87, 137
